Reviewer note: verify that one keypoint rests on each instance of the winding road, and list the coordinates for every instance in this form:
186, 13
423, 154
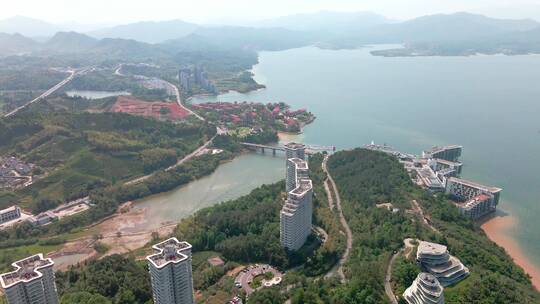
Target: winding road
407, 250
348, 233
418, 210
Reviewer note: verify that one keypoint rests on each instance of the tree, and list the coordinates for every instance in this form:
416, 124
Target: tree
84, 297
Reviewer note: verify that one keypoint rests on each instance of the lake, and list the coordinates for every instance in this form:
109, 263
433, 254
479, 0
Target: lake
95, 94
488, 104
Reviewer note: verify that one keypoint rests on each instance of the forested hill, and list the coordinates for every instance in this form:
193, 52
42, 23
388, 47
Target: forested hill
366, 178
79, 152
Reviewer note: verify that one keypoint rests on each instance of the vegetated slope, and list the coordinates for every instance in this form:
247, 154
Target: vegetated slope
15, 44
365, 178
113, 279
84, 151
67, 42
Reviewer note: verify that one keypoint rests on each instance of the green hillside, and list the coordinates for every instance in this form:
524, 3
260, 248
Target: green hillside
83, 151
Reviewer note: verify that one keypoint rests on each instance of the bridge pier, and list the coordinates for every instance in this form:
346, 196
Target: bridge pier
262, 150
274, 152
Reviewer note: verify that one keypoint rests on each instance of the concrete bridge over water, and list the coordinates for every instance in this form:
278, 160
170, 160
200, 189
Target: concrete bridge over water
310, 149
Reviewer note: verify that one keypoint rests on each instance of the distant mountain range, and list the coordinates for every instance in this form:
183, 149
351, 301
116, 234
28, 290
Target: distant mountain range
459, 26
150, 32
326, 21
453, 34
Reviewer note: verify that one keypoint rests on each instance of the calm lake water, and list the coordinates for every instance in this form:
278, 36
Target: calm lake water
95, 94
488, 104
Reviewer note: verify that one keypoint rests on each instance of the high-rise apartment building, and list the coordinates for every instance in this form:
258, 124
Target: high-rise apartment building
295, 150
296, 213
32, 282
171, 273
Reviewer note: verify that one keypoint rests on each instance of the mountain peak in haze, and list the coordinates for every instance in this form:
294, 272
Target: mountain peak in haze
28, 27
326, 21
148, 31
459, 26
70, 42
11, 44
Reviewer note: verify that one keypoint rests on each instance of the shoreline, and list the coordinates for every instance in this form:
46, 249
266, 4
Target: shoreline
497, 229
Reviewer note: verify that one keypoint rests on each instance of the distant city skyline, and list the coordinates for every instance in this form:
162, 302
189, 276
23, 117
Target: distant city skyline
245, 11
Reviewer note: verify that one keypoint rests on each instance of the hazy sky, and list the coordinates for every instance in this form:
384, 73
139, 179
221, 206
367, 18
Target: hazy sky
215, 11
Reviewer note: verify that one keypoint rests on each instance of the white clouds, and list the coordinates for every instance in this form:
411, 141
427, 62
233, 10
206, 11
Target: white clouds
121, 11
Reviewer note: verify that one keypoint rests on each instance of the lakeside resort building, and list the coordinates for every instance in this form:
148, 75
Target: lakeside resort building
435, 259
450, 153
31, 282
296, 213
10, 214
439, 170
477, 200
171, 273
425, 289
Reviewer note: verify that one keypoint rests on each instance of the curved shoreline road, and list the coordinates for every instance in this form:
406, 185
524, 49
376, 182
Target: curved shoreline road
348, 233
47, 93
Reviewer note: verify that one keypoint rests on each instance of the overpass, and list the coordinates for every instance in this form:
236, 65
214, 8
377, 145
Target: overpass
310, 149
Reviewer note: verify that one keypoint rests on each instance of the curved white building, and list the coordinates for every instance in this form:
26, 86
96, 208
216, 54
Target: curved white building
425, 289
31, 282
436, 260
171, 273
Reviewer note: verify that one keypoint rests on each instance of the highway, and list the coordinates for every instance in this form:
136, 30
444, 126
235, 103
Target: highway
72, 74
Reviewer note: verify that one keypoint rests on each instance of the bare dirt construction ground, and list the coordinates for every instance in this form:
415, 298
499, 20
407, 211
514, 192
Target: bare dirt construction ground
124, 232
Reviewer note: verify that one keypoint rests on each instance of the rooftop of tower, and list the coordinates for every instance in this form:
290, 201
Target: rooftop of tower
26, 270
170, 251
299, 163
295, 146
431, 248
302, 186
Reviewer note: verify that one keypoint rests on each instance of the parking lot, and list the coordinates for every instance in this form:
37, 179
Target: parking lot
246, 276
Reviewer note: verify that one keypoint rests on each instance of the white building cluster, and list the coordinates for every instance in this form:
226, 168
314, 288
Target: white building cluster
478, 200
31, 282
435, 259
171, 272
296, 213
425, 289
438, 170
